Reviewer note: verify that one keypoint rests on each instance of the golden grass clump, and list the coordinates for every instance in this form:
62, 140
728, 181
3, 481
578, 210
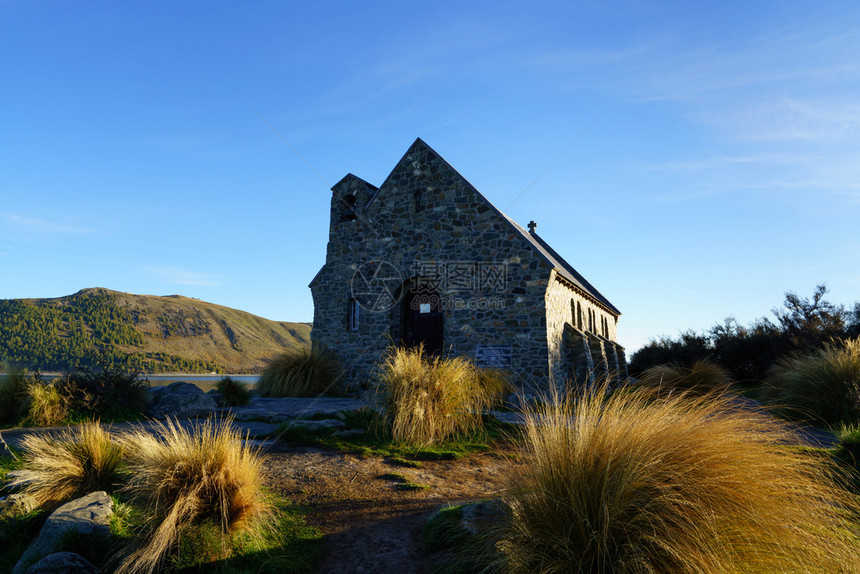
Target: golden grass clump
46, 406
186, 478
430, 399
822, 386
79, 460
704, 377
307, 371
637, 483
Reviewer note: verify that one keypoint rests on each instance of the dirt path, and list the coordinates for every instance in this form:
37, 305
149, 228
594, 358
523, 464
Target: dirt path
371, 523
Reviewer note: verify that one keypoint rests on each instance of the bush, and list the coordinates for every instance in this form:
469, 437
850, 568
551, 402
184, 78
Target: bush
13, 393
78, 461
304, 372
822, 386
233, 393
187, 478
704, 377
46, 406
430, 399
108, 391
634, 483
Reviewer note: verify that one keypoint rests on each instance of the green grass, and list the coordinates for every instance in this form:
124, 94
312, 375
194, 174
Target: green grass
377, 440
302, 372
455, 549
428, 400
16, 534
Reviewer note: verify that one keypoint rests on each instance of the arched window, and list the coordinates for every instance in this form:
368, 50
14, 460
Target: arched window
579, 315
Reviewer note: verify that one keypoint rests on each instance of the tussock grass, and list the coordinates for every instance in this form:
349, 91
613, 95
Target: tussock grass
822, 386
636, 483
79, 460
233, 393
308, 371
46, 406
702, 378
184, 479
430, 399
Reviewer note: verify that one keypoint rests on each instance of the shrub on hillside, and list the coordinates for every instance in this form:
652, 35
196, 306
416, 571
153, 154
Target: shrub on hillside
430, 399
233, 393
81, 459
822, 386
635, 483
187, 479
702, 378
303, 372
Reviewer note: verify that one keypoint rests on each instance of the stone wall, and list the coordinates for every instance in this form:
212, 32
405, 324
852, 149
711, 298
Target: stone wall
427, 225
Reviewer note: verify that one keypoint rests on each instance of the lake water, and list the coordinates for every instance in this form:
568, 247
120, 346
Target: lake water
205, 382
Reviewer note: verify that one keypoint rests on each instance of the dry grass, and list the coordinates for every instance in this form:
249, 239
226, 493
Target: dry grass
46, 406
634, 483
301, 372
79, 460
704, 377
185, 478
823, 386
430, 399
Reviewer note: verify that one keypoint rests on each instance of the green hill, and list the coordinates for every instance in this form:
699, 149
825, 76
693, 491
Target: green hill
150, 333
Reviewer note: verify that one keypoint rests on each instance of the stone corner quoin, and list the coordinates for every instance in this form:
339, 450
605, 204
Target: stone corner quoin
426, 259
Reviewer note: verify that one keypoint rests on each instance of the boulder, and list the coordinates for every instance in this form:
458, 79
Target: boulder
16, 505
88, 515
179, 399
63, 563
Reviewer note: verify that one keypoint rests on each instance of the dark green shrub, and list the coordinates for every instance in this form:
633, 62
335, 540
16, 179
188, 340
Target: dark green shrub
107, 391
233, 393
13, 393
301, 373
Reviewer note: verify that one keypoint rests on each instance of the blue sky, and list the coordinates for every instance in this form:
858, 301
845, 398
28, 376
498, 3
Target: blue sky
720, 168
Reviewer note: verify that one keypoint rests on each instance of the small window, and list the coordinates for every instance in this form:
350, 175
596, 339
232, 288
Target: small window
349, 207
579, 315
418, 206
352, 322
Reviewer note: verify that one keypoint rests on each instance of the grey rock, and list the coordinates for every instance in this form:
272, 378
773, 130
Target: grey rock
16, 505
179, 399
88, 515
319, 425
63, 563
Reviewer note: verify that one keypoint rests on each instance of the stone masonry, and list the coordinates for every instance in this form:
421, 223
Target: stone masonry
426, 258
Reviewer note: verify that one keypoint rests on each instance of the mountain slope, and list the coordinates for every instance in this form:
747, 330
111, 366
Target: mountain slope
151, 333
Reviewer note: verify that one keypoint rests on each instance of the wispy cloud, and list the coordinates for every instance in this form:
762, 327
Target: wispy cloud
46, 226
179, 276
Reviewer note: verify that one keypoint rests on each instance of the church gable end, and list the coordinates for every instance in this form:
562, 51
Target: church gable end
427, 258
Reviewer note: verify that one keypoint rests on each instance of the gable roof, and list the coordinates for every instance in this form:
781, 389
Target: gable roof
562, 267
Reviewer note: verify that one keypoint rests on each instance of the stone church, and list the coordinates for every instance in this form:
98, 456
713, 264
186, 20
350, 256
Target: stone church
426, 259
